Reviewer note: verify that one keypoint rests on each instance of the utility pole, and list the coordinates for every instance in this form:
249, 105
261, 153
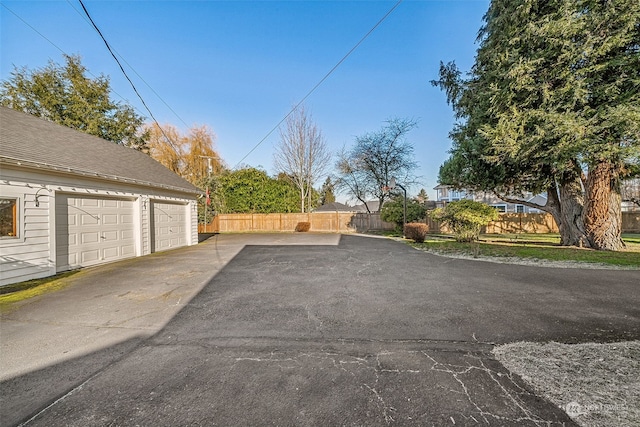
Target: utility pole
209, 172
209, 164
393, 185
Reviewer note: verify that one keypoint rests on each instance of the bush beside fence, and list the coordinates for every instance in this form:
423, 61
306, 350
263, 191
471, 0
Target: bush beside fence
349, 222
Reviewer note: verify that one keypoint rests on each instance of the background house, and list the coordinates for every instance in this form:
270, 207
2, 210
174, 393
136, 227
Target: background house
70, 200
446, 194
631, 195
335, 207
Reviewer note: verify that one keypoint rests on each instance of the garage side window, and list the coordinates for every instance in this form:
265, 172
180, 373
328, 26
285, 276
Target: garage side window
8, 218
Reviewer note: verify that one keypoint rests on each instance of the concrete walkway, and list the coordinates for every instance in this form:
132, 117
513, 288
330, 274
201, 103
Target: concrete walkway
298, 329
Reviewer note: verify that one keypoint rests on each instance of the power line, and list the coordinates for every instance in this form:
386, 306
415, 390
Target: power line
136, 73
326, 76
127, 77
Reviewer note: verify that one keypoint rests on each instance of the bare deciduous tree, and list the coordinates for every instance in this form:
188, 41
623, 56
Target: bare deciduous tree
302, 154
376, 157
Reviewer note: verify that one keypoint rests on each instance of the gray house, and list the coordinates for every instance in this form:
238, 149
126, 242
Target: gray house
70, 200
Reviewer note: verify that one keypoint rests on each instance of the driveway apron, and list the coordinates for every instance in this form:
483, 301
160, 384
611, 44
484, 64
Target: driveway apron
368, 332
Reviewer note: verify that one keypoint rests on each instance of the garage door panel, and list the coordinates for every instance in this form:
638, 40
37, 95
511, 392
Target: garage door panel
127, 251
94, 231
111, 236
110, 219
91, 237
89, 256
111, 253
86, 202
86, 219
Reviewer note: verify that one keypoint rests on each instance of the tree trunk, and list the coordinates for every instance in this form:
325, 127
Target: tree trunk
565, 204
571, 199
554, 208
603, 210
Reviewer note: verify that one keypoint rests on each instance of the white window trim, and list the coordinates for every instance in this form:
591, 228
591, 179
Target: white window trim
16, 220
10, 240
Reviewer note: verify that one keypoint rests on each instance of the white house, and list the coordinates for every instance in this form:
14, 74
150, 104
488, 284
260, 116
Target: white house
70, 200
446, 194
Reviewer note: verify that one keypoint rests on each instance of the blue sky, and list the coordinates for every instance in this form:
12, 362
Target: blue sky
239, 66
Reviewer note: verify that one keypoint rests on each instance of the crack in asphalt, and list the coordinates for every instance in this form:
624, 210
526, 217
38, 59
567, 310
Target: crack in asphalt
373, 372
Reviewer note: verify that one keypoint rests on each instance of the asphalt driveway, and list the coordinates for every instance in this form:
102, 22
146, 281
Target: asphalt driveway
300, 329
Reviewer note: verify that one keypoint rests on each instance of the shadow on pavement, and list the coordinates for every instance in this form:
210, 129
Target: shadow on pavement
24, 396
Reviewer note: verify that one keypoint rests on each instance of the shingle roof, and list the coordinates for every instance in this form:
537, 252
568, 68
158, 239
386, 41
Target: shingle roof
335, 206
31, 141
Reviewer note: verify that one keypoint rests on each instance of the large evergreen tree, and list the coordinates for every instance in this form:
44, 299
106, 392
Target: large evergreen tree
552, 104
65, 95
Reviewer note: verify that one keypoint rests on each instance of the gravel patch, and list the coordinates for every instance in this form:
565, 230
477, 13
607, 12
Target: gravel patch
595, 384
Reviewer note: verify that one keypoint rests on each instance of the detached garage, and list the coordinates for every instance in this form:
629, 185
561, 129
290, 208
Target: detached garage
70, 200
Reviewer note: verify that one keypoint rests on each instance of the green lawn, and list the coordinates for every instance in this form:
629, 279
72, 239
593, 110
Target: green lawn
533, 246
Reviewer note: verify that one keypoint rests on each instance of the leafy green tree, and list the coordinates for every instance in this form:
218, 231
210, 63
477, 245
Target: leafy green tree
552, 95
251, 190
393, 211
64, 95
465, 218
366, 169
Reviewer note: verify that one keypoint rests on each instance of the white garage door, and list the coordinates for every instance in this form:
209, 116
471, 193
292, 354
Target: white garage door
93, 230
169, 228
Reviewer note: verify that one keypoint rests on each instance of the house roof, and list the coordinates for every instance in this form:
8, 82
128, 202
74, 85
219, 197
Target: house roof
335, 207
30, 141
539, 199
373, 205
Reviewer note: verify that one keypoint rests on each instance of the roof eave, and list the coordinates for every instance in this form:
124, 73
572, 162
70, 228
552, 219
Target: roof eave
89, 174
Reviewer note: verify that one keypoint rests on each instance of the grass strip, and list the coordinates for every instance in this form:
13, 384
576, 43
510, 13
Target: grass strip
534, 246
31, 288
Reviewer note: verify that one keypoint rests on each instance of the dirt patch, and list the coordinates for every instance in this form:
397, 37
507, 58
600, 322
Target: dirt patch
596, 384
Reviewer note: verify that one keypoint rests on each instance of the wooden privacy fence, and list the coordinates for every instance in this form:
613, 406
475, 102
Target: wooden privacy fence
329, 222
349, 222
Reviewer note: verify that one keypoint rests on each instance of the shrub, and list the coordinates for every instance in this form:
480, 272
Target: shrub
416, 231
393, 211
303, 227
465, 218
